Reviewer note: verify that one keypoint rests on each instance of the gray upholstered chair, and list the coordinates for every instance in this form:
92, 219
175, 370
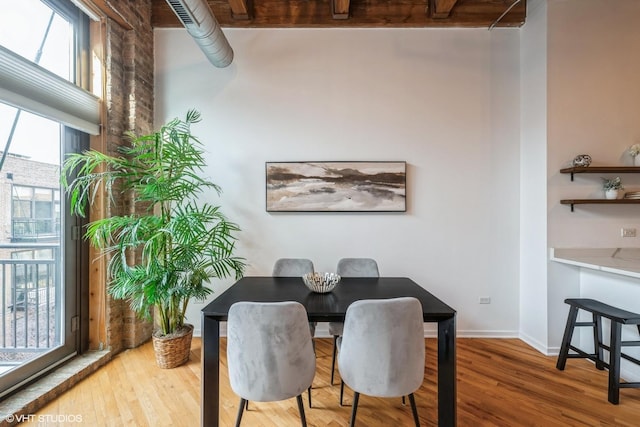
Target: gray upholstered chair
294, 267
385, 361
350, 267
269, 353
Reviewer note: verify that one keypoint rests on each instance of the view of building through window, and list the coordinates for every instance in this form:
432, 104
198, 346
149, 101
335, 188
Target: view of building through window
30, 263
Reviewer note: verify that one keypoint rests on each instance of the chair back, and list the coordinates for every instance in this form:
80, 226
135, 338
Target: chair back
358, 267
382, 350
292, 267
269, 351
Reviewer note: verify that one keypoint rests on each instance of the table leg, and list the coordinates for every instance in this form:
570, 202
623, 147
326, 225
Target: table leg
210, 404
447, 372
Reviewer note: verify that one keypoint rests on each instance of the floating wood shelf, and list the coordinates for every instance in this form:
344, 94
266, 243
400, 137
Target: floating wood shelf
600, 169
599, 202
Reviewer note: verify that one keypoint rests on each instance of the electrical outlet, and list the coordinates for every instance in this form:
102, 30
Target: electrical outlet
628, 232
484, 300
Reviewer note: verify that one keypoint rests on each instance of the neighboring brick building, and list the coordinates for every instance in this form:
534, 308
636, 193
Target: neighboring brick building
36, 186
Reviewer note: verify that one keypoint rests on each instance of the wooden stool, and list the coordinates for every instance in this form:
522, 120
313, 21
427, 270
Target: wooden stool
618, 318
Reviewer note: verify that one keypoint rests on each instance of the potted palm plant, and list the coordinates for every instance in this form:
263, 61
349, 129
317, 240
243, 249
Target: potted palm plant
165, 254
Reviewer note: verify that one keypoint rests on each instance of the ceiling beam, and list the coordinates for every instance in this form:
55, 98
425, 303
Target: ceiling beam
240, 9
107, 8
340, 9
361, 14
441, 9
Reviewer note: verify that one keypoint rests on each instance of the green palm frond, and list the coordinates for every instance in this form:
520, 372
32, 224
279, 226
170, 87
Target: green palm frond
168, 251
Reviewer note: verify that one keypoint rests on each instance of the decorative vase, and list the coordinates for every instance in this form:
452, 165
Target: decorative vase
636, 161
611, 194
173, 350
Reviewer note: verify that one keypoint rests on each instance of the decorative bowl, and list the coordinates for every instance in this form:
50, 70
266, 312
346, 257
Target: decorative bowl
321, 282
581, 160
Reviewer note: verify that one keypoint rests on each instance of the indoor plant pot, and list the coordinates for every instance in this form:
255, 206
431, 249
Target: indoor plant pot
172, 350
164, 254
611, 194
611, 187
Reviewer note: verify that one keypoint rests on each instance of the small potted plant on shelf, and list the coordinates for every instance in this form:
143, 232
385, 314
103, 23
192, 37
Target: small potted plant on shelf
166, 253
634, 152
611, 187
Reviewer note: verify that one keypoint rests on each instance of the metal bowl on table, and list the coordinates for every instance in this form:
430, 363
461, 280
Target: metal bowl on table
321, 282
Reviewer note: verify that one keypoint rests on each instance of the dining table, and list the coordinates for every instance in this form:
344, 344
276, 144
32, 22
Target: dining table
327, 307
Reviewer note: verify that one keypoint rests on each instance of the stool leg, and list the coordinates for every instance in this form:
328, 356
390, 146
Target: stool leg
614, 362
566, 339
597, 341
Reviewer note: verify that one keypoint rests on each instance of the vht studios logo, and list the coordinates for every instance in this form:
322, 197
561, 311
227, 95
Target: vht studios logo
49, 418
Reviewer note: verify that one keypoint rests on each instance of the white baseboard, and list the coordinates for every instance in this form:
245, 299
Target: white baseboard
542, 348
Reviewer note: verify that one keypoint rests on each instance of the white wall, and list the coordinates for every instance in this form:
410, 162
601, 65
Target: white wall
594, 108
593, 103
533, 185
446, 101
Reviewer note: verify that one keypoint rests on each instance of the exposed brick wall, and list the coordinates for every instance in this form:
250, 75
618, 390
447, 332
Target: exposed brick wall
129, 103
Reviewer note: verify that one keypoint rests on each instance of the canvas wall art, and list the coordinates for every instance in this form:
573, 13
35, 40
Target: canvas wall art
336, 186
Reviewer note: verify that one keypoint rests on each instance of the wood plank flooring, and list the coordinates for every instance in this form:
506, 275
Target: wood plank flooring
501, 382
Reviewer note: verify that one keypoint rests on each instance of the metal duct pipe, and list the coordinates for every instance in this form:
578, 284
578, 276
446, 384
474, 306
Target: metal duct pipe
197, 18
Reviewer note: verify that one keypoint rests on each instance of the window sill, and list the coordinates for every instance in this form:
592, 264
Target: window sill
36, 395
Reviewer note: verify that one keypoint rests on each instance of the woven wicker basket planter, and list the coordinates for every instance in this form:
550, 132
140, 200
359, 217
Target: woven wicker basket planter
173, 350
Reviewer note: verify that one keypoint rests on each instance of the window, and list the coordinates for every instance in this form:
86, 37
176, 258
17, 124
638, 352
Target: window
43, 268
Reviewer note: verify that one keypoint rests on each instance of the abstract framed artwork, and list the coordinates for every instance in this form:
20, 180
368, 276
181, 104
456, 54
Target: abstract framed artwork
339, 186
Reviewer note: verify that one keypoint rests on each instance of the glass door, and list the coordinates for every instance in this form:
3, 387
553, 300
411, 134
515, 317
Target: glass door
42, 257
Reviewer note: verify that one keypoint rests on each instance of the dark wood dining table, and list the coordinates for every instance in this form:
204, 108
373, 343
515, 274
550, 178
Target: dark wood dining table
328, 307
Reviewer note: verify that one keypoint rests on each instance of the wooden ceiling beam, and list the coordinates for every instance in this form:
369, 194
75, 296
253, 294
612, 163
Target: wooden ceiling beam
441, 9
240, 9
108, 9
361, 14
340, 9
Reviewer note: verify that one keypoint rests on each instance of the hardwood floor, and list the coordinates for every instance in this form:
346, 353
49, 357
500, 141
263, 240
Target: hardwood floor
501, 382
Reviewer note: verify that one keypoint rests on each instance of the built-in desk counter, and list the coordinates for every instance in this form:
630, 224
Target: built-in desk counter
610, 275
623, 261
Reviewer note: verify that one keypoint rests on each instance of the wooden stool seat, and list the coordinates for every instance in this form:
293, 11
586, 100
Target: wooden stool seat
618, 317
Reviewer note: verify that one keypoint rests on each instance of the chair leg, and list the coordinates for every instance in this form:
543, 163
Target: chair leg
566, 340
356, 396
414, 409
403, 401
341, 391
333, 358
309, 393
243, 403
303, 420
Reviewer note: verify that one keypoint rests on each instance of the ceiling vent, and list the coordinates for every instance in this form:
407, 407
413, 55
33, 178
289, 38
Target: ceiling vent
197, 18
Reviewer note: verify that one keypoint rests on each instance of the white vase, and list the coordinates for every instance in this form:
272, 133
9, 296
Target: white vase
611, 194
636, 161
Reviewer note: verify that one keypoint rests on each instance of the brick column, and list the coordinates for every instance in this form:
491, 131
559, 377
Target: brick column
129, 105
